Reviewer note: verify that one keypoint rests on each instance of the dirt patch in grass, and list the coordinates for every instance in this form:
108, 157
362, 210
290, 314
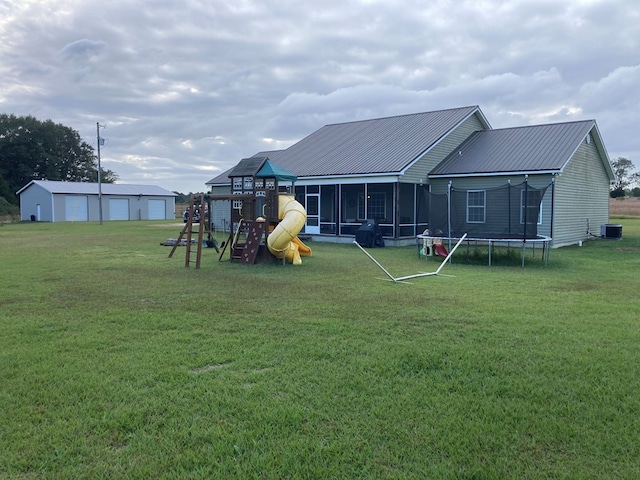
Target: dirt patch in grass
181, 224
208, 368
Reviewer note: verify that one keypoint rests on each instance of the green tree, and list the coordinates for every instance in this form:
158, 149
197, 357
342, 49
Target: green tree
31, 149
623, 170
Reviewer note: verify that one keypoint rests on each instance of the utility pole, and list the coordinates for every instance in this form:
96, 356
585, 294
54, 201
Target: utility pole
99, 168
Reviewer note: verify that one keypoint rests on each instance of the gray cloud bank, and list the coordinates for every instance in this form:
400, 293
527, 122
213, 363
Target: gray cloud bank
189, 88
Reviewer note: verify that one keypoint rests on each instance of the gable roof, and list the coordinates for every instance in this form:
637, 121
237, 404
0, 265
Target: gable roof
85, 188
524, 150
247, 167
223, 178
382, 145
270, 169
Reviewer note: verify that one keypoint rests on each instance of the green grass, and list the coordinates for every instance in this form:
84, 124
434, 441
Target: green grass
118, 362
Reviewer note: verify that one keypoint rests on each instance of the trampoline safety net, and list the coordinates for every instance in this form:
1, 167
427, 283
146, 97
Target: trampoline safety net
508, 211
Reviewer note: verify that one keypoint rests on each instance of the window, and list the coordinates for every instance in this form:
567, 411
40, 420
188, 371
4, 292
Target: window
532, 208
248, 183
237, 183
376, 206
476, 206
237, 205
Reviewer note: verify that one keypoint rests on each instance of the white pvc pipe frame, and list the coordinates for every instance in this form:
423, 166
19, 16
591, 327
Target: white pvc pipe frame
407, 277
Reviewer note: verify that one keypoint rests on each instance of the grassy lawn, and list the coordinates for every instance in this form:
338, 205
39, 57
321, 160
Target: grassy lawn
118, 362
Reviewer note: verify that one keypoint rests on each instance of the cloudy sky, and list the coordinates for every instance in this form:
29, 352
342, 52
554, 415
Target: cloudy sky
188, 88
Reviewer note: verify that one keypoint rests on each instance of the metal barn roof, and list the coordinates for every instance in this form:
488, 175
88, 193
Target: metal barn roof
85, 188
529, 149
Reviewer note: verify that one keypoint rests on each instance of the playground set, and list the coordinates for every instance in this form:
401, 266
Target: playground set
265, 218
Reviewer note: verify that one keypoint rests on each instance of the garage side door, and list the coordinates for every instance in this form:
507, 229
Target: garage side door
157, 209
118, 209
75, 208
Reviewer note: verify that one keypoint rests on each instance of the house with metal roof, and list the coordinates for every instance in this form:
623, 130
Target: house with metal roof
53, 201
449, 171
563, 170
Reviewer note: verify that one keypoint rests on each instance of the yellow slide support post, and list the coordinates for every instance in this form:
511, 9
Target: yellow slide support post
283, 240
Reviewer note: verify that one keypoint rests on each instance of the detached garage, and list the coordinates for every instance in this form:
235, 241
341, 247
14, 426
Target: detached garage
49, 201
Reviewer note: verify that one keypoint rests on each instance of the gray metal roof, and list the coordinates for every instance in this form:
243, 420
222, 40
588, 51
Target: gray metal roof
221, 179
84, 188
529, 149
383, 145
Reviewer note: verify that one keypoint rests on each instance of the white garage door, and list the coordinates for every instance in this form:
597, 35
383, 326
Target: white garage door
220, 215
157, 209
75, 208
118, 209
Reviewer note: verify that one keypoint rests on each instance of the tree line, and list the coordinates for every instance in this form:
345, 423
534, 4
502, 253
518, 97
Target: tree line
626, 178
31, 149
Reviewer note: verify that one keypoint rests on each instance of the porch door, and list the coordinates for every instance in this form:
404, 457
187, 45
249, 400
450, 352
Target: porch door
312, 201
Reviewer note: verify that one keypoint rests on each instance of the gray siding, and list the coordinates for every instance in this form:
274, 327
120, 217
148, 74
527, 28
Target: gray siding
32, 197
52, 206
419, 171
582, 196
221, 209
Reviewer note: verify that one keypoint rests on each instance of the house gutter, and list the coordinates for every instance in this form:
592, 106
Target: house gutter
495, 174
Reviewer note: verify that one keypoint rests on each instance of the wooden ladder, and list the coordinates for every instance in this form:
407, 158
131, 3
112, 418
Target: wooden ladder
246, 252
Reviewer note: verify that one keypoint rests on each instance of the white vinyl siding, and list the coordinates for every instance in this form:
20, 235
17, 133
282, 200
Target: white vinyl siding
75, 208
582, 197
118, 209
157, 209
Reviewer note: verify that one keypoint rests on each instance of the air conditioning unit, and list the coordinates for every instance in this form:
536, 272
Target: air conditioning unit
611, 231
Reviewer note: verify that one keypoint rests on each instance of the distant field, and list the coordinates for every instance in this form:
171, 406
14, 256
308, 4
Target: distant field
118, 362
625, 206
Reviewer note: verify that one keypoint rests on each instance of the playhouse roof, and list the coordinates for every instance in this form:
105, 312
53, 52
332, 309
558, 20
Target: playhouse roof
247, 167
270, 169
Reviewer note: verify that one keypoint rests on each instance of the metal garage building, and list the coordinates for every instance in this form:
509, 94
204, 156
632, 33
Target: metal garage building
49, 201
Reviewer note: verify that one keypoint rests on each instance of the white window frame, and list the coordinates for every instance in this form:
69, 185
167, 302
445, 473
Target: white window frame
237, 183
477, 207
522, 205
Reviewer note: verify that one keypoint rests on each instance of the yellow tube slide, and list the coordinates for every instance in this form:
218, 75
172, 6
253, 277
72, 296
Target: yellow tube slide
292, 218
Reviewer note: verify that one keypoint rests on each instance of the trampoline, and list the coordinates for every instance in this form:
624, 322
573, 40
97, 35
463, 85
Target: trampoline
508, 214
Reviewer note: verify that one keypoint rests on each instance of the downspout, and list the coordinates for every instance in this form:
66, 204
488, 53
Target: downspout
553, 201
509, 204
526, 208
449, 187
